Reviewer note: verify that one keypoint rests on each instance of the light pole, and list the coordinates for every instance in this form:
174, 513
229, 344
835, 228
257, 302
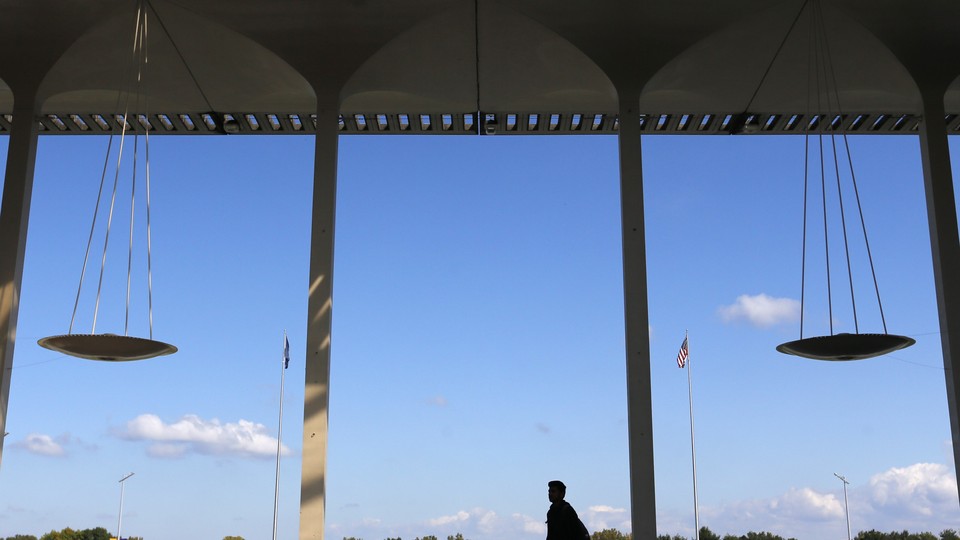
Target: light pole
120, 517
846, 507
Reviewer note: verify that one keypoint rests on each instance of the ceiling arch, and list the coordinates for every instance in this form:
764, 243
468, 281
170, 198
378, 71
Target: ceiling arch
195, 65
522, 66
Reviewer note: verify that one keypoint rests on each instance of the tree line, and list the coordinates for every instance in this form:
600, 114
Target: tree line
97, 533
707, 534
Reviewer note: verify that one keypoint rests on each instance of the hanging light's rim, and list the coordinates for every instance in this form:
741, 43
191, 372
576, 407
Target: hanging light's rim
107, 347
845, 347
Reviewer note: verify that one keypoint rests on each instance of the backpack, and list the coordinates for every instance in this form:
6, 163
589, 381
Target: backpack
585, 533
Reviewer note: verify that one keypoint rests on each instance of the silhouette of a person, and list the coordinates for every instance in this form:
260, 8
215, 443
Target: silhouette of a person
562, 520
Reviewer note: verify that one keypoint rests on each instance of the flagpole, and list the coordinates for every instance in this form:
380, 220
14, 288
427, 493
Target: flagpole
693, 451
276, 486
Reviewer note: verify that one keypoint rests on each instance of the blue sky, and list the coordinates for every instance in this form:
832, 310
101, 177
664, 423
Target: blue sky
478, 343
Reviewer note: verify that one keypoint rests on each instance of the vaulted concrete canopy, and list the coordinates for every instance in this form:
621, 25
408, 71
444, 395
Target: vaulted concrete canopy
423, 56
193, 63
624, 67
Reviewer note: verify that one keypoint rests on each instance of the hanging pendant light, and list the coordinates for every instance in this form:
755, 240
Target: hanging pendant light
839, 346
107, 346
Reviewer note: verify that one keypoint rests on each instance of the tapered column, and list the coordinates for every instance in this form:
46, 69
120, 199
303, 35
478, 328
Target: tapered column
945, 248
14, 214
643, 507
316, 396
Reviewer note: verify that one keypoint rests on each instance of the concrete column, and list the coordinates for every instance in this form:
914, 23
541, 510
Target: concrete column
944, 246
316, 396
14, 214
643, 507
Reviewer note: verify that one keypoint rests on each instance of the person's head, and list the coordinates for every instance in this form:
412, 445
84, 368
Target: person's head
556, 491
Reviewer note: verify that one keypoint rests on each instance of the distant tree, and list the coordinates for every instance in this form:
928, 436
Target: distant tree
429, 537
608, 534
98, 533
351, 538
752, 535
65, 534
397, 538
232, 538
905, 535
457, 536
763, 536
949, 534
668, 537
32, 537
707, 534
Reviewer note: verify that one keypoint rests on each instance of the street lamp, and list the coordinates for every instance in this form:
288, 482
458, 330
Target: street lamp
120, 518
846, 507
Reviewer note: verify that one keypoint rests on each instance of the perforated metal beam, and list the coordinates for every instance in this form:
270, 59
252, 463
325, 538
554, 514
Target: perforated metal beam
501, 123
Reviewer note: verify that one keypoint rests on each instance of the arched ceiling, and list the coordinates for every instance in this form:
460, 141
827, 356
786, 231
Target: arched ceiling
194, 65
266, 61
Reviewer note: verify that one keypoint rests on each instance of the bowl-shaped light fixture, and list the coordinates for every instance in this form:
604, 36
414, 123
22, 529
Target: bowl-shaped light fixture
846, 346
820, 128
108, 347
132, 102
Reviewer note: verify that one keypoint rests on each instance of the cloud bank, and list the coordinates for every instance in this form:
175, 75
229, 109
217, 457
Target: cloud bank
920, 490
475, 523
192, 434
920, 497
761, 310
43, 445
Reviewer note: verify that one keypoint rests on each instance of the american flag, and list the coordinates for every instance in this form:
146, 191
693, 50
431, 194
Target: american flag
682, 355
286, 352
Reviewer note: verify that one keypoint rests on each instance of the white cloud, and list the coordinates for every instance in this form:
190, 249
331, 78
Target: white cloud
476, 523
600, 517
530, 525
446, 520
807, 504
482, 523
488, 522
761, 310
920, 497
924, 489
194, 434
438, 401
43, 445
167, 450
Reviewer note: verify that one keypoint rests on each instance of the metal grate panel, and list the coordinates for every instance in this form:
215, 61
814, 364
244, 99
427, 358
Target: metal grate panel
499, 123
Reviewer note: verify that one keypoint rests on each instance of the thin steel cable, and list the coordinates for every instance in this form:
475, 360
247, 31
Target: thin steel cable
183, 59
823, 187
825, 67
826, 236
93, 225
476, 52
863, 225
775, 55
146, 141
96, 206
806, 191
106, 240
846, 243
133, 194
133, 181
116, 179
856, 191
